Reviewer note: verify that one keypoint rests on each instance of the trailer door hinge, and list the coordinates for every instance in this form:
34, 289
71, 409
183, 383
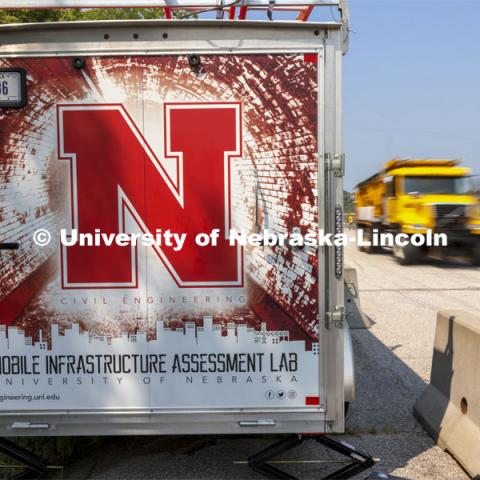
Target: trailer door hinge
336, 318
335, 164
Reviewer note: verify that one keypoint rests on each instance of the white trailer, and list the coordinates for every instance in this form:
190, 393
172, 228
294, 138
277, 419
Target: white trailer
188, 127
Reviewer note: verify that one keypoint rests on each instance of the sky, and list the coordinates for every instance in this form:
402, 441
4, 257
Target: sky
411, 83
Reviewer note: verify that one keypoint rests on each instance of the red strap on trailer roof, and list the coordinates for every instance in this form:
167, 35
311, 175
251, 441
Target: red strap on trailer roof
243, 13
304, 15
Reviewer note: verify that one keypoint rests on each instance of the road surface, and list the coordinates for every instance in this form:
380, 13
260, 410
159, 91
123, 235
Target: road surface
393, 367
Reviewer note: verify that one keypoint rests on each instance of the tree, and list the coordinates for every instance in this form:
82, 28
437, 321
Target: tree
348, 202
59, 15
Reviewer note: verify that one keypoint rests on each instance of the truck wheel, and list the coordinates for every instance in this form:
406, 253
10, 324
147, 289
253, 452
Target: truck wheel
406, 255
359, 227
476, 255
367, 236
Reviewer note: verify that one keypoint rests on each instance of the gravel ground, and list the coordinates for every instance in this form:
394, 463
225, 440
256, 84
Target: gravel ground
393, 361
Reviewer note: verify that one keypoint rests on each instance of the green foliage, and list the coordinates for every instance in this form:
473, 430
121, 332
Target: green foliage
348, 202
59, 15
122, 14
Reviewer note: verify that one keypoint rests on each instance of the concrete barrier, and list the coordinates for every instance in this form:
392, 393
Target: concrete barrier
449, 409
355, 317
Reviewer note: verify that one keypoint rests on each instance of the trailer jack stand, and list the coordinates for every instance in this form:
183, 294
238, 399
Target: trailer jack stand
35, 466
359, 461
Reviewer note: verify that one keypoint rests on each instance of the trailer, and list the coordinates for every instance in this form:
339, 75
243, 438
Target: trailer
183, 130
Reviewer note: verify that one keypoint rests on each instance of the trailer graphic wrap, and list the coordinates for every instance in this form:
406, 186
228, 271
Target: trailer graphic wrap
149, 143
114, 172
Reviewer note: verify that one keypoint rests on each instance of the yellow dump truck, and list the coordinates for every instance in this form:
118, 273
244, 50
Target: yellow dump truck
417, 195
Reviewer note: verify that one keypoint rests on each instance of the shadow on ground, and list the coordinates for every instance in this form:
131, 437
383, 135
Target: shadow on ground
380, 422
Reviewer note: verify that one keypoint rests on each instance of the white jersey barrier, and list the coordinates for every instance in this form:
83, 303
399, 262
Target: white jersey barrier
449, 409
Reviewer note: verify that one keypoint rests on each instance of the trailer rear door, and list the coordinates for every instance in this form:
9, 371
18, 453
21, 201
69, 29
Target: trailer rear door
188, 153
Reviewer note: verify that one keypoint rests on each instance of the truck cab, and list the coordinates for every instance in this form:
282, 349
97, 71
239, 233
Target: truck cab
421, 195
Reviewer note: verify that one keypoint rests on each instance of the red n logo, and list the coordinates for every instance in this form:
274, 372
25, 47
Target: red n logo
113, 170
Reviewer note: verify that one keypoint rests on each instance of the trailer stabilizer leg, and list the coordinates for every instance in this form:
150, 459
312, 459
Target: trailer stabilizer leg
258, 462
36, 466
359, 461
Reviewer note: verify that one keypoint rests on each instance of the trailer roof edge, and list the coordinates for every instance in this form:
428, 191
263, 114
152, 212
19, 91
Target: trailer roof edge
169, 23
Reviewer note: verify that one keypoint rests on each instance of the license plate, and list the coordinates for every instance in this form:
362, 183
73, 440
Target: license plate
12, 88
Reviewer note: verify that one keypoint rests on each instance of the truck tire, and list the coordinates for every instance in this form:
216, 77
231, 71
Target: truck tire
476, 255
359, 227
367, 235
406, 255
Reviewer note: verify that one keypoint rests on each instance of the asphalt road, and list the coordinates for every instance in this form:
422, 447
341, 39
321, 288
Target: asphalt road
393, 360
